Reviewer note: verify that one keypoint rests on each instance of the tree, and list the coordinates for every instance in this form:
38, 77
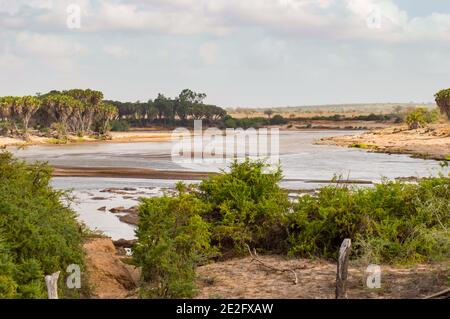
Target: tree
443, 101
164, 106
269, 113
6, 105
84, 112
61, 108
24, 108
105, 114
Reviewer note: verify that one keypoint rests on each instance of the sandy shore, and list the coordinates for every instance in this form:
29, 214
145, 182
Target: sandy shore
116, 137
431, 142
123, 172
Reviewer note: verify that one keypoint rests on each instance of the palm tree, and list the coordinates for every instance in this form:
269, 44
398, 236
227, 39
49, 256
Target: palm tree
24, 108
443, 101
106, 113
6, 103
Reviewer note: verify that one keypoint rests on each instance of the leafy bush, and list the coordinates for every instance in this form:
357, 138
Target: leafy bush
5, 128
278, 120
420, 117
172, 240
119, 126
416, 119
38, 234
392, 222
247, 206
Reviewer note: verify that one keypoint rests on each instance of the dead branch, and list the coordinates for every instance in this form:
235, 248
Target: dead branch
256, 258
442, 294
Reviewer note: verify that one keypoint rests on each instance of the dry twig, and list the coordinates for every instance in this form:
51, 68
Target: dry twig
255, 257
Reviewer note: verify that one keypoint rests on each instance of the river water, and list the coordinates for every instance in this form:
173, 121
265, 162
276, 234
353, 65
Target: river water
305, 166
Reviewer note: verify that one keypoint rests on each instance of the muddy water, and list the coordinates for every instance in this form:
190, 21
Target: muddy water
304, 164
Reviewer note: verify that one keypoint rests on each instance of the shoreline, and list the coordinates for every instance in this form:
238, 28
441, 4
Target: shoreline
137, 135
147, 173
431, 142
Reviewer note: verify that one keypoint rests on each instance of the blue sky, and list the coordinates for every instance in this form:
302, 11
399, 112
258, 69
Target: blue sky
239, 52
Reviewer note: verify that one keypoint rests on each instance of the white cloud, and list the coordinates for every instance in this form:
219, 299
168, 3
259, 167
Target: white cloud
49, 46
208, 53
336, 19
116, 51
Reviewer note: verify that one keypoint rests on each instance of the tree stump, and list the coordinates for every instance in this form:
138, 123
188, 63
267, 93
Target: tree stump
342, 269
52, 285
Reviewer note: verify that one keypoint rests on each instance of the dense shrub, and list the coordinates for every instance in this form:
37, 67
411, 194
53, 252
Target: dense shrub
120, 126
172, 240
392, 222
247, 206
38, 234
278, 120
420, 117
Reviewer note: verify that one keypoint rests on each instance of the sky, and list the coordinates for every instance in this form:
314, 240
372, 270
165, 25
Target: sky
241, 53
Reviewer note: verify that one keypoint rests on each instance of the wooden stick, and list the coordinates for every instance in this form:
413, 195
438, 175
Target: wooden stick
255, 257
52, 285
444, 293
342, 269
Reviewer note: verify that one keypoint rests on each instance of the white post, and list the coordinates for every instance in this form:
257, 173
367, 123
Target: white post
52, 285
342, 269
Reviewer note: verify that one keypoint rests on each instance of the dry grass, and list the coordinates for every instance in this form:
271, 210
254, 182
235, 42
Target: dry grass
242, 278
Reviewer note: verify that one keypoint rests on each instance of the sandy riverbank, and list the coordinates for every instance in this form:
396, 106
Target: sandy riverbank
431, 142
116, 137
123, 172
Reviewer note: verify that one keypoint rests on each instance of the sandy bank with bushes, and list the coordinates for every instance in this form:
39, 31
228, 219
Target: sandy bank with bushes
430, 142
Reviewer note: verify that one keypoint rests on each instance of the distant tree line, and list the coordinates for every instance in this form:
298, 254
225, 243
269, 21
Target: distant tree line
85, 112
76, 111
169, 112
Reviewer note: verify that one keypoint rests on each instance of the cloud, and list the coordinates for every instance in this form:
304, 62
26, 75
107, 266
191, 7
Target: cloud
48, 46
327, 19
208, 53
116, 51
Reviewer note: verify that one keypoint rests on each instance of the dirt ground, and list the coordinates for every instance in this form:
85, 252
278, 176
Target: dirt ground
238, 278
109, 277
433, 141
242, 278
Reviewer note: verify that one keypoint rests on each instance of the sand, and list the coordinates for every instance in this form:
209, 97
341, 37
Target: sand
431, 142
242, 278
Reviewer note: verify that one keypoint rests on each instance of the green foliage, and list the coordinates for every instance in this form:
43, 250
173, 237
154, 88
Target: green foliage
392, 222
38, 234
247, 206
172, 240
278, 120
416, 119
420, 117
443, 101
432, 116
5, 128
119, 126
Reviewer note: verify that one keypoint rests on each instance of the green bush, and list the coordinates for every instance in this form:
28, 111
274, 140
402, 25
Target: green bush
172, 240
278, 120
420, 117
393, 222
247, 206
5, 128
38, 234
120, 126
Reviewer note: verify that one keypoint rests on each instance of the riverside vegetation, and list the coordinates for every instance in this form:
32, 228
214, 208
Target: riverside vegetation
39, 235
393, 222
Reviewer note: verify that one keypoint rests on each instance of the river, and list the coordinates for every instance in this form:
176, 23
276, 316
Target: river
305, 166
